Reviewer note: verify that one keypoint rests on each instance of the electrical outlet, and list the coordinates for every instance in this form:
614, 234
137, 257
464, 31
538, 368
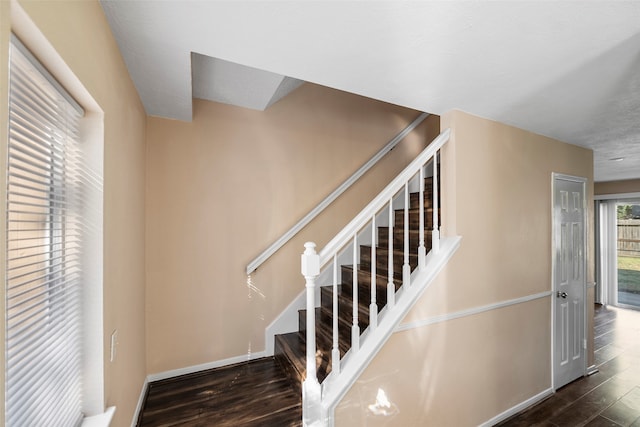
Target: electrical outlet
114, 342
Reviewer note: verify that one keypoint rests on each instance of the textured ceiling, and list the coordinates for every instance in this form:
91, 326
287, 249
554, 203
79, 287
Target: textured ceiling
565, 69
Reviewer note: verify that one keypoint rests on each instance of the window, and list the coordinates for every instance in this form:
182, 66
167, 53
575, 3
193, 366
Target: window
46, 190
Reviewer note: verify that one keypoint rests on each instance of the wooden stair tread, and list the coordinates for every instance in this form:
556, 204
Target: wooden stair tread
293, 348
384, 251
382, 259
345, 307
324, 329
364, 277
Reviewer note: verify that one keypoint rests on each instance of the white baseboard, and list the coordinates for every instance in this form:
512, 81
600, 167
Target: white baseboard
204, 366
143, 394
518, 408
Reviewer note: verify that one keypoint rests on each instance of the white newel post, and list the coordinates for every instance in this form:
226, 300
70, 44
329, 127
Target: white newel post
311, 391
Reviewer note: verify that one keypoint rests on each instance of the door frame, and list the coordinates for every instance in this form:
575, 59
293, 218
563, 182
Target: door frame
554, 177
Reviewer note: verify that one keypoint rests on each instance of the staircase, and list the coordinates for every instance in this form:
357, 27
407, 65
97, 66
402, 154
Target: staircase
341, 353
267, 391
290, 349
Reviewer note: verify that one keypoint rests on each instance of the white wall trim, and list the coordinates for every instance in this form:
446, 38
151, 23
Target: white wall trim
518, 408
141, 399
204, 366
470, 311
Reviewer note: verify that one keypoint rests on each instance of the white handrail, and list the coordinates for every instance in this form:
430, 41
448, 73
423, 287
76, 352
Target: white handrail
343, 237
257, 262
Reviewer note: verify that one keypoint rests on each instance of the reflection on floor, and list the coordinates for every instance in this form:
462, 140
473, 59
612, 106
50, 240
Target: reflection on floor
610, 397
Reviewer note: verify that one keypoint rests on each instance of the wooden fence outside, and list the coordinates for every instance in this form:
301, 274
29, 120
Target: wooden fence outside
629, 237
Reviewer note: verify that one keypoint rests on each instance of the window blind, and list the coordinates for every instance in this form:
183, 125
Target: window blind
44, 246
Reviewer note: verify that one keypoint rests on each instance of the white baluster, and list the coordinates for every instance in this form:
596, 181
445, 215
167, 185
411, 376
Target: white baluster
373, 307
406, 268
355, 329
422, 251
435, 236
335, 352
311, 391
391, 288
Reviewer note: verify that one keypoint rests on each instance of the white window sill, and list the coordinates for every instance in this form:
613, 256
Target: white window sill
100, 420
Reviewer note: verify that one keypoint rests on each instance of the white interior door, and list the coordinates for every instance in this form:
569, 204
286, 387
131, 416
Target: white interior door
569, 279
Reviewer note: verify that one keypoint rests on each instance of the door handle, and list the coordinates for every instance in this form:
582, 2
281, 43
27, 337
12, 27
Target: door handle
561, 294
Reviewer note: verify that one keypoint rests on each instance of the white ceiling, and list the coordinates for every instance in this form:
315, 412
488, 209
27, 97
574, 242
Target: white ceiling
565, 69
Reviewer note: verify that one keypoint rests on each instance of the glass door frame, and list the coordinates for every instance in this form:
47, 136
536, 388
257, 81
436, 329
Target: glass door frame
606, 222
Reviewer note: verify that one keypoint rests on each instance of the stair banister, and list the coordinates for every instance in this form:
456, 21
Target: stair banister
422, 250
319, 399
373, 307
406, 268
355, 328
343, 237
257, 262
435, 236
391, 287
335, 352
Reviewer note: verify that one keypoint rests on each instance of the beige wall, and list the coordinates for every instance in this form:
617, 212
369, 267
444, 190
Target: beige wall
224, 187
617, 187
465, 371
79, 32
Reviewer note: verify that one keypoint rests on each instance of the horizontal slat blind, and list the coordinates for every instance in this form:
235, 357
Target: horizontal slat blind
44, 243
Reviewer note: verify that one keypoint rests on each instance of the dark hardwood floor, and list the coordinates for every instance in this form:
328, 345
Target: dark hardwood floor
255, 393
611, 396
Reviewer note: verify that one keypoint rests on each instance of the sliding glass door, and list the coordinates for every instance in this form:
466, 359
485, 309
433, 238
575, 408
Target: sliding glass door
628, 254
618, 252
